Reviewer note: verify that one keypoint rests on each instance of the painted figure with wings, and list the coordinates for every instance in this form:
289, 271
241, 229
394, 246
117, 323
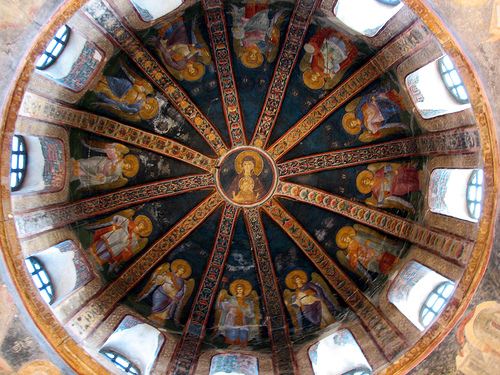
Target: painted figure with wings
118, 238
309, 300
238, 315
104, 172
367, 249
131, 98
387, 182
170, 291
376, 113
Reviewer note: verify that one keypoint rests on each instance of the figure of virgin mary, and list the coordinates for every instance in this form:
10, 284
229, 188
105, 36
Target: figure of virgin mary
248, 165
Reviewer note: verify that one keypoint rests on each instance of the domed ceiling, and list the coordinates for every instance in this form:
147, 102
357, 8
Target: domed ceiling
261, 155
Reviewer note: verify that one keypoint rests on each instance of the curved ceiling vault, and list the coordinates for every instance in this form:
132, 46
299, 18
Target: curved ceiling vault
225, 152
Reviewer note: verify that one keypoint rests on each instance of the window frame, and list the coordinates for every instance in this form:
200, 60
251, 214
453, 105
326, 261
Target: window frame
430, 307
390, 2
472, 205
20, 173
447, 72
46, 288
358, 371
49, 57
113, 356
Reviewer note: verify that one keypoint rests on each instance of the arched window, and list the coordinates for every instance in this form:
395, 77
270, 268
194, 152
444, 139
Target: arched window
233, 364
435, 303
121, 362
475, 193
18, 162
457, 193
452, 80
54, 48
342, 349
436, 89
366, 17
133, 346
40, 278
420, 293
150, 10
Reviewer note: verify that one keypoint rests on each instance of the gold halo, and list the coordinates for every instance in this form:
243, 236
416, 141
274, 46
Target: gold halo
246, 178
252, 64
238, 164
340, 235
180, 262
147, 223
148, 113
200, 69
347, 123
362, 187
245, 284
132, 160
289, 278
315, 85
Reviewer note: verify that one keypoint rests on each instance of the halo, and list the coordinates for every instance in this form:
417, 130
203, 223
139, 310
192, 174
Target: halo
341, 233
313, 84
363, 187
347, 123
132, 160
246, 178
151, 110
289, 278
121, 149
147, 223
252, 64
238, 163
200, 70
179, 262
245, 284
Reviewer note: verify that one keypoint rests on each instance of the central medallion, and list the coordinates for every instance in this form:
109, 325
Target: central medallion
246, 176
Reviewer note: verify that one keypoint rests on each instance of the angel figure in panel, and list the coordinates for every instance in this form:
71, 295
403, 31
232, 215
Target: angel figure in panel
119, 237
367, 250
131, 98
170, 291
183, 49
374, 112
328, 55
104, 172
256, 33
387, 182
309, 300
238, 315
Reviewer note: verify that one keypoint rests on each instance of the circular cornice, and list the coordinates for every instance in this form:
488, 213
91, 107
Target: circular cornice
82, 363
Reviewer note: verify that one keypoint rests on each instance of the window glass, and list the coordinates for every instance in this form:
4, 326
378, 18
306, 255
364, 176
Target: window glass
475, 193
435, 303
40, 278
233, 364
121, 362
54, 48
358, 371
452, 80
18, 162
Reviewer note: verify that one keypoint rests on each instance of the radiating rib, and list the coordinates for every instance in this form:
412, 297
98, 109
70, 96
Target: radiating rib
413, 39
461, 140
38, 107
214, 14
107, 20
49, 218
387, 337
296, 32
283, 356
184, 358
99, 307
452, 247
